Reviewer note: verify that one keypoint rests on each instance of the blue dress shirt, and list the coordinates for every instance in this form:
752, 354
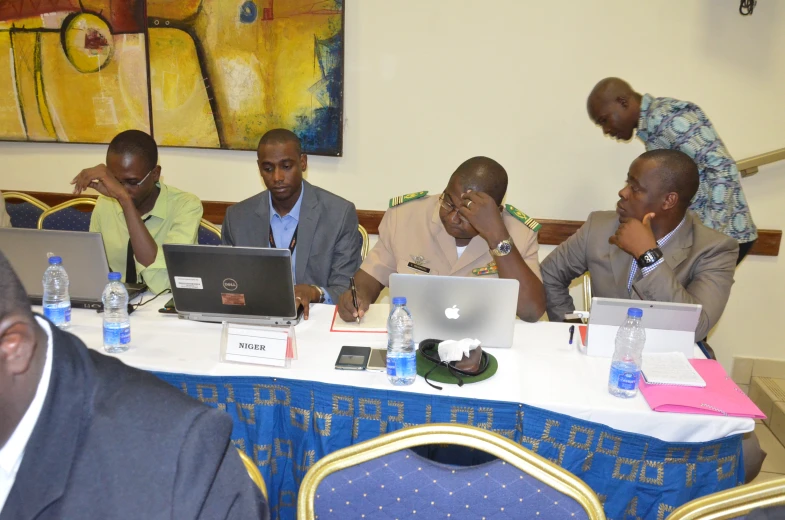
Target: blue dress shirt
283, 231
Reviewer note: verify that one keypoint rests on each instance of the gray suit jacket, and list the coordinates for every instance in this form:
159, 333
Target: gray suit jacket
698, 268
328, 241
116, 442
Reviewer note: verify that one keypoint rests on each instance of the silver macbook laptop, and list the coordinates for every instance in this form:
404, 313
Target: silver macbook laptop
238, 284
670, 327
453, 307
84, 259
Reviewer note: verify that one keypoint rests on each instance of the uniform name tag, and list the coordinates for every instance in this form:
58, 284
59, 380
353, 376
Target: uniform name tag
418, 267
260, 346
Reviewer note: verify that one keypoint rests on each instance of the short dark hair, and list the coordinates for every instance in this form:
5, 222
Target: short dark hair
677, 173
482, 174
280, 135
13, 297
137, 143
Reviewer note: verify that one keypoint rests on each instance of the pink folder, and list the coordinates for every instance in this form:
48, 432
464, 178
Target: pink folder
721, 396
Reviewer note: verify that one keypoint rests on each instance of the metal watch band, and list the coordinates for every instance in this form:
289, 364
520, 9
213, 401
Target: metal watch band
321, 293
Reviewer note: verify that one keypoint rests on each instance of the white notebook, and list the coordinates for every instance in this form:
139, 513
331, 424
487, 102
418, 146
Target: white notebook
670, 368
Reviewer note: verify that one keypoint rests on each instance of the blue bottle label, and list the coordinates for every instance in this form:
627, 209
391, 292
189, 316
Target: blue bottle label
402, 365
58, 313
117, 334
624, 379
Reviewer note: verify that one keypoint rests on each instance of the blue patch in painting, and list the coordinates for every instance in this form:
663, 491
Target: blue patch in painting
248, 12
320, 130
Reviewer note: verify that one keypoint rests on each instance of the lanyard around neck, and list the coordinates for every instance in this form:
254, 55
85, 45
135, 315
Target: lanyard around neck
292, 244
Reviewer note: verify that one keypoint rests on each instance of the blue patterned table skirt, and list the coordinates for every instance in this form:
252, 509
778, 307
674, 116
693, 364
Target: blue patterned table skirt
285, 426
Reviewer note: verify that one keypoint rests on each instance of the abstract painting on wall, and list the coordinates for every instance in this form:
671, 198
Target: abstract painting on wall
194, 73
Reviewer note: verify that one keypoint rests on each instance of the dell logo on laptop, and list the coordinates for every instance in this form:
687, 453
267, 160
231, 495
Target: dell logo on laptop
230, 285
452, 312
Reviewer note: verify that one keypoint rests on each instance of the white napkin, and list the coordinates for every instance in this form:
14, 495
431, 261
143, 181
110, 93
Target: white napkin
451, 350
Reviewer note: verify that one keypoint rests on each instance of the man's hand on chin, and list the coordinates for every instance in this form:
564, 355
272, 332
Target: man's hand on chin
633, 236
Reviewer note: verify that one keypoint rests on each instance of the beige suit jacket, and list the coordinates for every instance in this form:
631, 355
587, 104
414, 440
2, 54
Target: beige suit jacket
698, 268
412, 233
5, 220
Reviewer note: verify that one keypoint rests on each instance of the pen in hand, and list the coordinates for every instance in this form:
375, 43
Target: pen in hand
354, 298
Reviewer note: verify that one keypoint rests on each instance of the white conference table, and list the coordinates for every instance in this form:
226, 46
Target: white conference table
541, 369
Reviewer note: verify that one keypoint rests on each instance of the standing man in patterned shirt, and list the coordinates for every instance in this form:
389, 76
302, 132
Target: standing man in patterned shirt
680, 125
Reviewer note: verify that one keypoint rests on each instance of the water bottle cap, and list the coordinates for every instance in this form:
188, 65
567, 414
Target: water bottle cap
115, 277
55, 260
634, 312
399, 300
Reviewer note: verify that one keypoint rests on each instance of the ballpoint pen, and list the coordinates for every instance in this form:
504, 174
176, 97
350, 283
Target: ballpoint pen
354, 298
572, 332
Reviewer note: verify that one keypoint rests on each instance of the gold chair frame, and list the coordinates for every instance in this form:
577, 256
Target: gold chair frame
448, 433
366, 242
209, 226
253, 472
586, 292
81, 201
25, 197
732, 503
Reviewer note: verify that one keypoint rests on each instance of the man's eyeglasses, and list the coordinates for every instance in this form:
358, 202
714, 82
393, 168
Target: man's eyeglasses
446, 204
134, 184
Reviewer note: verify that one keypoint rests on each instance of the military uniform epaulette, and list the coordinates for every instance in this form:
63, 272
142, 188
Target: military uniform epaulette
397, 201
523, 217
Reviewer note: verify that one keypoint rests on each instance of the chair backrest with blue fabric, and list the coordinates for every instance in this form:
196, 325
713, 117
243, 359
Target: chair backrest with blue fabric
208, 234
66, 216
23, 209
383, 479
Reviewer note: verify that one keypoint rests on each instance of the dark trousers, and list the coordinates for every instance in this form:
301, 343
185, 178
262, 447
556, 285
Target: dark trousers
744, 248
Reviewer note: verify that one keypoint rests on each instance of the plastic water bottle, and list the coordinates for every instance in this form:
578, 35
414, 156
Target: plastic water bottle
56, 302
401, 355
117, 325
626, 364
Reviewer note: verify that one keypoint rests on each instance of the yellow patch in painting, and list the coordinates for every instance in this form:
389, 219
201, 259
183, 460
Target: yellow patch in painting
488, 269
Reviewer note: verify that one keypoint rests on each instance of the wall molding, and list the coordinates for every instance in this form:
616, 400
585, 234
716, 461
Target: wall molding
553, 232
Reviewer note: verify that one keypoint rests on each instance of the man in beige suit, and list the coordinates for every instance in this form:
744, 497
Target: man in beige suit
651, 248
5, 220
462, 232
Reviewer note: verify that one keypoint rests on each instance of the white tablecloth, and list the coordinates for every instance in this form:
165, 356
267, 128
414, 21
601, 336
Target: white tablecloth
541, 369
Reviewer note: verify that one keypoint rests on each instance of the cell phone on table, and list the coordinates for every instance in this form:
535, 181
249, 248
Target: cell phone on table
353, 358
168, 307
378, 360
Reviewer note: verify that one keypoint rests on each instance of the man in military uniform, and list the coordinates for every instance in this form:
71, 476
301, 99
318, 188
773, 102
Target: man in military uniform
465, 231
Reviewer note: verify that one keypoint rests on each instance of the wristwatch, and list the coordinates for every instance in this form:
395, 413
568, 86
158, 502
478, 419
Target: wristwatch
649, 258
503, 248
321, 293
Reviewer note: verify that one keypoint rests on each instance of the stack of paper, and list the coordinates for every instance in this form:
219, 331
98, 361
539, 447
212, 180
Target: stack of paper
375, 320
670, 368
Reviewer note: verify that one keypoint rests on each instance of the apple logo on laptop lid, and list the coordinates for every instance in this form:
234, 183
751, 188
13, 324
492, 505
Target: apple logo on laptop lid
452, 313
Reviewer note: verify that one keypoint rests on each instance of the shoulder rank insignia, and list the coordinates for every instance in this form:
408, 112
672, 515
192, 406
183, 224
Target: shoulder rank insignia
397, 201
523, 217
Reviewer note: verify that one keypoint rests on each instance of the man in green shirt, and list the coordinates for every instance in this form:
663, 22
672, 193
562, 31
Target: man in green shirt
137, 213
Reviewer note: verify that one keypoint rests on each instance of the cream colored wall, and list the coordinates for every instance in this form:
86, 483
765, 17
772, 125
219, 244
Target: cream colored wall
429, 83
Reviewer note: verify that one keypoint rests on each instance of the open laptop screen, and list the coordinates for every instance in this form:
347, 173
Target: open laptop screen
231, 281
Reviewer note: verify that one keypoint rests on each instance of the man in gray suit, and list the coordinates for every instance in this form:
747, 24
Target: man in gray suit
84, 436
651, 248
319, 228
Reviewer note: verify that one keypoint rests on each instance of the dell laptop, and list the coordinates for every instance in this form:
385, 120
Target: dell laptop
454, 307
84, 259
237, 284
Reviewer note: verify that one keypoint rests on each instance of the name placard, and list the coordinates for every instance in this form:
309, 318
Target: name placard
256, 345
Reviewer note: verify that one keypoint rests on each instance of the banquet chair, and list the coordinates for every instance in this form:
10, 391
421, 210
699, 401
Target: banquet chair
253, 472
366, 243
586, 291
733, 503
24, 213
66, 216
383, 479
208, 234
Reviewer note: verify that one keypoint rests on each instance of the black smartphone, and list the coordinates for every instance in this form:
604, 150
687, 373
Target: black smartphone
168, 307
353, 358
